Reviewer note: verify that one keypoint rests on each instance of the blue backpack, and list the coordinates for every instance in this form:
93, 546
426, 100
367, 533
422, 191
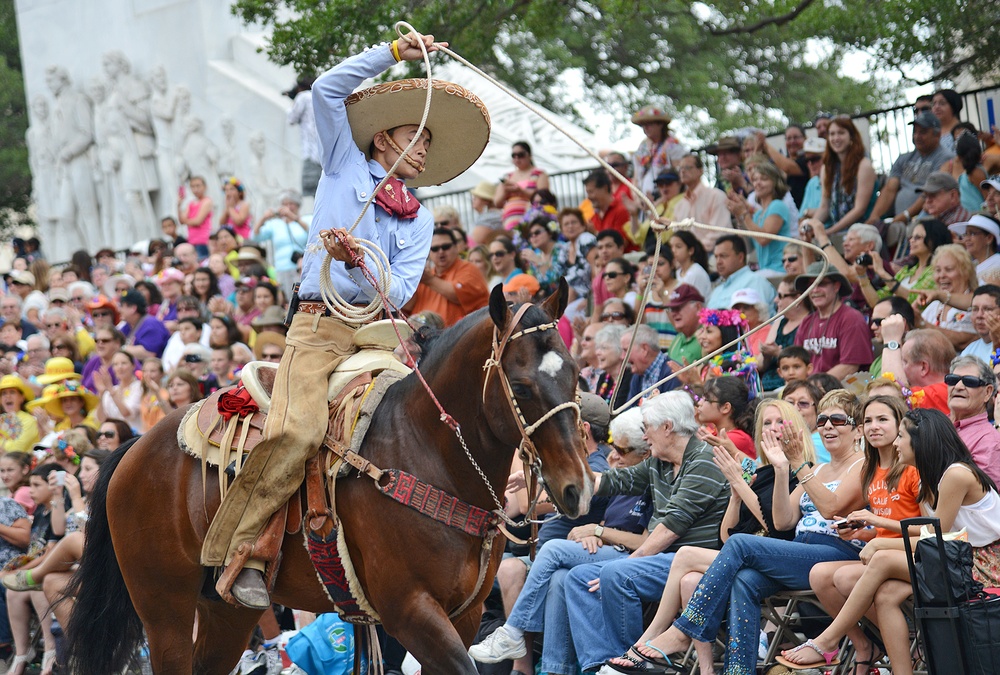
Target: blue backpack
324, 647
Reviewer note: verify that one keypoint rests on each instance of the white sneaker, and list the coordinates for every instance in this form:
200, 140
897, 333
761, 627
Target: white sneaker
273, 659
498, 646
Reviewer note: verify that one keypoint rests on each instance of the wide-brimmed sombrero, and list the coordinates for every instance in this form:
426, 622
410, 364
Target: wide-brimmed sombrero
458, 121
52, 396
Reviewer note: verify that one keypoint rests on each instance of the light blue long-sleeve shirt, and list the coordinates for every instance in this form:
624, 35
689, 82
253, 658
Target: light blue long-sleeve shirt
347, 182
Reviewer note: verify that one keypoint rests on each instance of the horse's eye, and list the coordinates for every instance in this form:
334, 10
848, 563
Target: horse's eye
522, 391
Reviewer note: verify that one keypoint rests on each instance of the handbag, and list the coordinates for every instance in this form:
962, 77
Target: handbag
944, 575
324, 647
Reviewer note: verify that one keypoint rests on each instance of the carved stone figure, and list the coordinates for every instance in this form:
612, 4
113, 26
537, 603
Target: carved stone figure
73, 136
131, 95
110, 127
229, 159
199, 156
44, 168
164, 108
262, 188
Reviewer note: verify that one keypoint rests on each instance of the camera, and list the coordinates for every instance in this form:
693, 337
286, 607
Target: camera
864, 259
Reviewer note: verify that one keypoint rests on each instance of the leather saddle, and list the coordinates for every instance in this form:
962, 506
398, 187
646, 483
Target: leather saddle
375, 343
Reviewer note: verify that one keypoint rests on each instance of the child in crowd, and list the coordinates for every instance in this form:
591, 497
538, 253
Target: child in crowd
14, 470
794, 363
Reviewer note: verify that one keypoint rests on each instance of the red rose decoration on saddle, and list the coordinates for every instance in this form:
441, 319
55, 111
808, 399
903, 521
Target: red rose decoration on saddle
237, 402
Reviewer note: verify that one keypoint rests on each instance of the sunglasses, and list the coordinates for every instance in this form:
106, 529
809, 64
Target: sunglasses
790, 259
98, 315
968, 380
612, 275
535, 233
837, 420
104, 341
801, 405
107, 434
518, 155
612, 316
442, 247
921, 109
814, 158
442, 223
498, 254
877, 322
787, 296
270, 357
193, 358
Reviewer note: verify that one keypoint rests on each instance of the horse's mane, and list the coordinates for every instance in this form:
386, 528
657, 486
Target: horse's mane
443, 346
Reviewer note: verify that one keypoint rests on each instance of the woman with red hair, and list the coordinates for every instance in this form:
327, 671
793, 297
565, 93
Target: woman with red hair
847, 177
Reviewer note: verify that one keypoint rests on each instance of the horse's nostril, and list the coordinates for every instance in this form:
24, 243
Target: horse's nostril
571, 499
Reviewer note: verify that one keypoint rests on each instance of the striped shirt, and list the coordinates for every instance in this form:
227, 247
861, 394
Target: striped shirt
690, 504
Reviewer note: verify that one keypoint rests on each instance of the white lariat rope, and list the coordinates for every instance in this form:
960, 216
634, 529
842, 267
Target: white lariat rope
374, 309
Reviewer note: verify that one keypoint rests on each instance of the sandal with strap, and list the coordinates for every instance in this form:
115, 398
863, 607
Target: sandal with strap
26, 659
48, 661
639, 665
661, 661
826, 658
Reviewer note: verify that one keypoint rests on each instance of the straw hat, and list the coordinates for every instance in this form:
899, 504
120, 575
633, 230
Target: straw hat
484, 190
251, 254
109, 285
264, 339
58, 369
650, 113
15, 382
458, 121
52, 396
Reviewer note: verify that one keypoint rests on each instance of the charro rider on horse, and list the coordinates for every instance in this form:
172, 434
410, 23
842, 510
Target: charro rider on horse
361, 141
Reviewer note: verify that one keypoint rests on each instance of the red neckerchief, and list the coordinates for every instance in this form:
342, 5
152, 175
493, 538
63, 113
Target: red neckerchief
397, 200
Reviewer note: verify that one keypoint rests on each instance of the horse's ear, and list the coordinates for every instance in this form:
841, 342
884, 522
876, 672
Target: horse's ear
499, 309
555, 304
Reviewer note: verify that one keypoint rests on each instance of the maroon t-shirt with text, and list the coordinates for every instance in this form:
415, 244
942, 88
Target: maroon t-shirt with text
843, 338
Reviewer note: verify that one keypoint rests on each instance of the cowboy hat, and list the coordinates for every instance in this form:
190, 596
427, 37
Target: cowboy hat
268, 338
650, 113
272, 316
250, 254
52, 396
814, 270
458, 122
58, 369
15, 382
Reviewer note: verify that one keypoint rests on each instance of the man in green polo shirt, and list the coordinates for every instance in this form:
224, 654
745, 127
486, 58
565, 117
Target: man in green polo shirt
684, 304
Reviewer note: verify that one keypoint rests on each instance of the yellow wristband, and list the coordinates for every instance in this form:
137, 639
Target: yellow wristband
395, 51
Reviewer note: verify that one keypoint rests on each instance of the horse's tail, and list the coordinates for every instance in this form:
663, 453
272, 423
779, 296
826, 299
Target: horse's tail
103, 606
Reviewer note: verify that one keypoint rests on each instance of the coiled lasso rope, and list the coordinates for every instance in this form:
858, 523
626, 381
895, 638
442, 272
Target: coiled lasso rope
659, 225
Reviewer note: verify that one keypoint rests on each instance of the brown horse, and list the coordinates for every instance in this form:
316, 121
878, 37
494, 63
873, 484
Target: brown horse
149, 514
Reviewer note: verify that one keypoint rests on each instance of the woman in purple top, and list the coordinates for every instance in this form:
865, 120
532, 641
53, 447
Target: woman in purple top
109, 341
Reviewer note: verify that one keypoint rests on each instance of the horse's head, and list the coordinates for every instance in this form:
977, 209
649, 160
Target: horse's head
542, 377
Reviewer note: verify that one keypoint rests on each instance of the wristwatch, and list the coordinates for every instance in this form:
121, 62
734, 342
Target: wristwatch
892, 345
598, 531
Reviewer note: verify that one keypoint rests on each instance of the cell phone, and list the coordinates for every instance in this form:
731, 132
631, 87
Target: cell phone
847, 525
181, 192
60, 478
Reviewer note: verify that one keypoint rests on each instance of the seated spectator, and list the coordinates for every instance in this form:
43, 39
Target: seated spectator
145, 335
946, 104
834, 333
910, 171
921, 364
955, 275
182, 389
506, 259
794, 259
586, 356
580, 252
196, 359
659, 150
487, 219
57, 325
65, 405
480, 257
773, 216
154, 405
190, 328
749, 568
18, 429
992, 188
546, 255
848, 178
616, 312
960, 496
794, 363
689, 498
609, 212
749, 304
726, 415
108, 341
980, 234
222, 367
730, 154
942, 199
971, 386
450, 287
813, 151
608, 348
986, 321
702, 203
885, 308
522, 288
205, 286
781, 334
734, 274
619, 279
541, 600
122, 400
269, 347
684, 306
690, 262
515, 191
111, 434
805, 396
648, 364
718, 329
656, 314
610, 245
926, 237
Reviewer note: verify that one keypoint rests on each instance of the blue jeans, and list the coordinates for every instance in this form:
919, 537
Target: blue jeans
747, 570
5, 635
606, 623
542, 601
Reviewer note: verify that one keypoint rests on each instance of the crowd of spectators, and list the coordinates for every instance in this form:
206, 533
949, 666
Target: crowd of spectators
701, 473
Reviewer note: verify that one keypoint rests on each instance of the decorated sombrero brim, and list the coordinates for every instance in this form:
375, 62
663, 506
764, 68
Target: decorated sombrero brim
458, 121
52, 395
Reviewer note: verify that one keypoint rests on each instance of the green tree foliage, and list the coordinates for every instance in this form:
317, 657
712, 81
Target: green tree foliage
15, 176
719, 64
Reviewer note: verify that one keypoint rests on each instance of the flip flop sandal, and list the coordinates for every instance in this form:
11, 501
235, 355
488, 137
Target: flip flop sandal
639, 665
827, 658
662, 661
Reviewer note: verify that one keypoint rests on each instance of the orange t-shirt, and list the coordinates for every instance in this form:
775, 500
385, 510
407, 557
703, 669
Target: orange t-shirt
470, 286
934, 396
899, 503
